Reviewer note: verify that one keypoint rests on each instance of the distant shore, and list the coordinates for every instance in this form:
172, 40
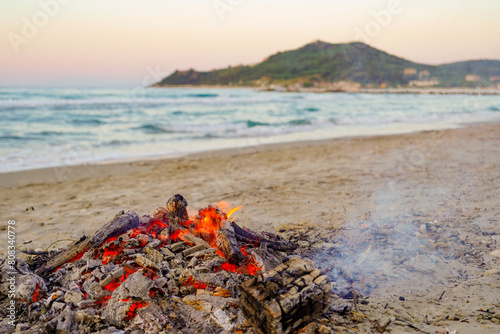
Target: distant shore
406, 90
437, 91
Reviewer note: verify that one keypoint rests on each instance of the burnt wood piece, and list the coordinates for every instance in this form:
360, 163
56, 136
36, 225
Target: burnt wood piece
266, 259
176, 209
252, 237
196, 241
285, 298
65, 256
119, 225
227, 243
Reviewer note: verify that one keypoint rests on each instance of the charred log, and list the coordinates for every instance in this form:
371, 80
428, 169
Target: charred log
251, 237
171, 216
227, 243
266, 259
196, 241
119, 225
176, 209
67, 255
285, 298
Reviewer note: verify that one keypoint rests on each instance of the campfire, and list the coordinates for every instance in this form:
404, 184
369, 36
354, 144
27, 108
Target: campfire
172, 272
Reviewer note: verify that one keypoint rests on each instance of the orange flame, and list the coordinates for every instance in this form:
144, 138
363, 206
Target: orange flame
208, 222
233, 211
225, 207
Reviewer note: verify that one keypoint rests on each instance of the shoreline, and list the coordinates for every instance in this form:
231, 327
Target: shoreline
51, 174
59, 173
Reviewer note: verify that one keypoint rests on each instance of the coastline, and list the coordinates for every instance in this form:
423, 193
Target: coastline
405, 90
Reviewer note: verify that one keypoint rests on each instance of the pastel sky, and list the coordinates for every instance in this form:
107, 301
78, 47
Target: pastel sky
132, 42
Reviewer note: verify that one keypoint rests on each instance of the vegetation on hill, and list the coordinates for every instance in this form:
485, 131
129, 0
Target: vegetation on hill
321, 62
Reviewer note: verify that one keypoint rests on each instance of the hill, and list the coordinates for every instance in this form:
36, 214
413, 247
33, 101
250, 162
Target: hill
321, 63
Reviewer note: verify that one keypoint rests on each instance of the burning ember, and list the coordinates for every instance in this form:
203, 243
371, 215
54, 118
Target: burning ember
132, 266
163, 229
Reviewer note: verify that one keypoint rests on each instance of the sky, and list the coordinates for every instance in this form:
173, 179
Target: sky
134, 43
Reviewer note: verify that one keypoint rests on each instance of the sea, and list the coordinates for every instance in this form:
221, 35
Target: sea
47, 127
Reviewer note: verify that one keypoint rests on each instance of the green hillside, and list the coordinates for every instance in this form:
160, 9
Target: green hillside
321, 62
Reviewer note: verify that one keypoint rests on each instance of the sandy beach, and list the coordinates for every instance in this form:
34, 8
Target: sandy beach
432, 196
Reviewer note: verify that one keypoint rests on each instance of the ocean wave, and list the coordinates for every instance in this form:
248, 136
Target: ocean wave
50, 133
430, 117
131, 101
254, 129
230, 129
302, 121
115, 142
252, 124
203, 95
153, 129
93, 121
123, 103
8, 137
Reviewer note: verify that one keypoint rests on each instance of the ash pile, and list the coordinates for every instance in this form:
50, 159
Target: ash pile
168, 274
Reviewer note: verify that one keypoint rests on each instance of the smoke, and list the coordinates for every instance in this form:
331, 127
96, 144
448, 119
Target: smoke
390, 240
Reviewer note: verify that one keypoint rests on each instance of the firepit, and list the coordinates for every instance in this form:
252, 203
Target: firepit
170, 273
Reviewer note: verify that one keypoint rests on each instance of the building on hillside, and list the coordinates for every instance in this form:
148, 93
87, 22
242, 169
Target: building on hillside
424, 83
423, 75
495, 78
409, 71
472, 78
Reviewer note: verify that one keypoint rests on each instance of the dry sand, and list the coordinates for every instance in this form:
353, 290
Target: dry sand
361, 202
